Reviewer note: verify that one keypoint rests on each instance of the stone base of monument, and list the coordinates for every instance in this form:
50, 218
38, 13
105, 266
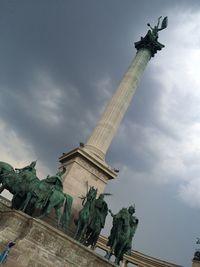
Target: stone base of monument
195, 263
38, 244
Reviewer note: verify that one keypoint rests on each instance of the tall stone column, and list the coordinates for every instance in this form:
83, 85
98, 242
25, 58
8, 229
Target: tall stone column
108, 124
86, 166
102, 135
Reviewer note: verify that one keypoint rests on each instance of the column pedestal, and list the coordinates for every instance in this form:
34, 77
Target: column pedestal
83, 170
195, 263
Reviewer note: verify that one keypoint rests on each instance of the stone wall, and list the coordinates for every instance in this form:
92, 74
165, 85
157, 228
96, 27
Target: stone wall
195, 263
40, 245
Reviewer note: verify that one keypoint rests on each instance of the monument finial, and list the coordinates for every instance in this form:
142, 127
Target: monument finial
150, 41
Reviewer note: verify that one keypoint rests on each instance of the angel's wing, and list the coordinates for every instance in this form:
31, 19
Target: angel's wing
164, 23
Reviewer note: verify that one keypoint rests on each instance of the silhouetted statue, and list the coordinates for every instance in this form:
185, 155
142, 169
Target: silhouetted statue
29, 192
97, 221
122, 232
150, 41
84, 217
154, 30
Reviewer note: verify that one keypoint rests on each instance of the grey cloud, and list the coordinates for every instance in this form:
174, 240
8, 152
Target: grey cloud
76, 44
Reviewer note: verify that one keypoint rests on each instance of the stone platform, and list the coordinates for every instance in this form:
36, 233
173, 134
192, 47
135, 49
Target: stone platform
40, 245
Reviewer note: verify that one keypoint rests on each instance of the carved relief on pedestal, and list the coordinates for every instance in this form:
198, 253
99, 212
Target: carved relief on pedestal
93, 170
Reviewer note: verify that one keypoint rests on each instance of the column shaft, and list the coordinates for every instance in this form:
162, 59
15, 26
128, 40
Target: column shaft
102, 135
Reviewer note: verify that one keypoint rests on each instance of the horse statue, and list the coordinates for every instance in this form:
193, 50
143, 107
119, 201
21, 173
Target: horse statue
119, 236
29, 192
97, 221
85, 214
47, 194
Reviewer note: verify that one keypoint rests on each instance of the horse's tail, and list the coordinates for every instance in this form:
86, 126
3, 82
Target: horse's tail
66, 212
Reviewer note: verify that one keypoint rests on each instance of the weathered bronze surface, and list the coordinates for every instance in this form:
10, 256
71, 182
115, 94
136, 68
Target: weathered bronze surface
84, 217
91, 218
31, 193
97, 221
150, 41
122, 232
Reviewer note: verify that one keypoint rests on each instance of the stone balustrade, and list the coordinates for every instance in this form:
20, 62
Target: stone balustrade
136, 258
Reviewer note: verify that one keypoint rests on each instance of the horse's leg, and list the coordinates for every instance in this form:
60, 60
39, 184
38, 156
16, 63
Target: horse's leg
77, 231
110, 252
81, 238
65, 218
58, 215
2, 188
94, 240
46, 212
89, 237
119, 252
26, 202
76, 236
119, 256
88, 234
16, 201
13, 202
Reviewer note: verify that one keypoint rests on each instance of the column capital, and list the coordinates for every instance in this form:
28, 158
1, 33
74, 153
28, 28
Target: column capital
150, 43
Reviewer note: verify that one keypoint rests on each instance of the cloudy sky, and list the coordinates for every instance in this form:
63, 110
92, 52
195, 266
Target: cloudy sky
60, 62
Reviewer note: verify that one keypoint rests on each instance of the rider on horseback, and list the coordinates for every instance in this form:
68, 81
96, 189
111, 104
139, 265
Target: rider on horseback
133, 220
47, 187
25, 178
97, 220
56, 181
122, 232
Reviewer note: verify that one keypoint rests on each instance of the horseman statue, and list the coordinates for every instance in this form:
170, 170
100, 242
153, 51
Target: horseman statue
97, 221
30, 193
84, 216
24, 179
91, 218
122, 232
47, 186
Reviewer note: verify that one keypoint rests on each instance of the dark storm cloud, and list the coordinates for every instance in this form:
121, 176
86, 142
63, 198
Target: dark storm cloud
73, 46
76, 43
53, 56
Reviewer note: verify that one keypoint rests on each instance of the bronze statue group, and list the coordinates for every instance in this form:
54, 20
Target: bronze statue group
34, 196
